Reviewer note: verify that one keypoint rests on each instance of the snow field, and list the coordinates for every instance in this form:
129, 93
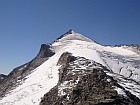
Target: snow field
45, 77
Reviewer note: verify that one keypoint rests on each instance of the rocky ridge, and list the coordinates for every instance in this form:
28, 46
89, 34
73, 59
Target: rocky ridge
84, 82
19, 74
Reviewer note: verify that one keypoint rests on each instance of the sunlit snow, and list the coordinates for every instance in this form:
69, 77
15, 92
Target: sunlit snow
46, 76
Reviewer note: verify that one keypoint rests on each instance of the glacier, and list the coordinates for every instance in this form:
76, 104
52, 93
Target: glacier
123, 65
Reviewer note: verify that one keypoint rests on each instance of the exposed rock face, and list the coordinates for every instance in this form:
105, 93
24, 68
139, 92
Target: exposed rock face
19, 73
84, 82
2, 77
45, 51
69, 32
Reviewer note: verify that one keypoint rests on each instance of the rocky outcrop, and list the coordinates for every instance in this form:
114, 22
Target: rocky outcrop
19, 74
69, 32
2, 77
84, 82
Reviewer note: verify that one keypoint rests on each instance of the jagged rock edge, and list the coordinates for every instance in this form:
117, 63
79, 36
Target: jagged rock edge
64, 61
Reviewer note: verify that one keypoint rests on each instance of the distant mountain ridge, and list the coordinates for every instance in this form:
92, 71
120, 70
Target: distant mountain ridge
75, 70
133, 47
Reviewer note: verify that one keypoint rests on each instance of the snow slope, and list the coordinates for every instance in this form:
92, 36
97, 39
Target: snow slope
45, 77
36, 84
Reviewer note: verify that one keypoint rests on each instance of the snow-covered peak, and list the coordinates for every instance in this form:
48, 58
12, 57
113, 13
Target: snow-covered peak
72, 35
119, 63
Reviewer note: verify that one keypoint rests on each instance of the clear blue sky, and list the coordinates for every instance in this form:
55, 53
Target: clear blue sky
26, 24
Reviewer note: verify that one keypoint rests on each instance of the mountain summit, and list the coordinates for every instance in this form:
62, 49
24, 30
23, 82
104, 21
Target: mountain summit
74, 70
72, 35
